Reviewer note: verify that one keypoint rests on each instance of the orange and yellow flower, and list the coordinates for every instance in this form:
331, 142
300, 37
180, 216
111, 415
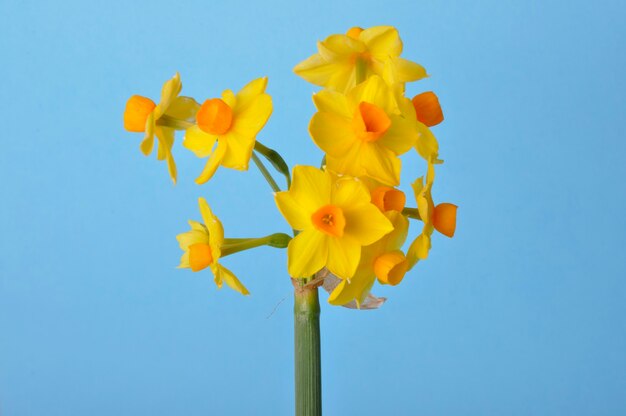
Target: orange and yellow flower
441, 217
142, 115
335, 219
363, 132
233, 122
203, 246
344, 61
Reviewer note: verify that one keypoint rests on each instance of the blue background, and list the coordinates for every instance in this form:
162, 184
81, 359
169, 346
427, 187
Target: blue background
522, 313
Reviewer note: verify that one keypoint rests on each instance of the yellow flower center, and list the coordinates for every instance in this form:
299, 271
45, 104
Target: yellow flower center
388, 199
200, 256
390, 268
215, 116
427, 108
330, 220
444, 218
136, 113
354, 32
370, 122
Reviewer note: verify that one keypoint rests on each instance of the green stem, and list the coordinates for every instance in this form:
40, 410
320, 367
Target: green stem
235, 245
266, 174
308, 371
275, 159
174, 123
412, 213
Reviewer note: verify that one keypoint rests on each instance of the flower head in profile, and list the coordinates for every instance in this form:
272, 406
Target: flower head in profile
203, 247
142, 115
363, 132
422, 112
343, 61
232, 121
335, 219
441, 217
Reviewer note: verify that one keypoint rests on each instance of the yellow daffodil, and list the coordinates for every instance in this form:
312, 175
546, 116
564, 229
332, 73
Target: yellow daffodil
232, 121
336, 219
142, 115
344, 61
363, 132
422, 112
441, 217
203, 246
383, 259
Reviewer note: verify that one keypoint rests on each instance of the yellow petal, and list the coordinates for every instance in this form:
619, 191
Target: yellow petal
407, 71
214, 227
195, 225
332, 133
310, 187
166, 142
298, 217
348, 164
148, 141
238, 152
418, 249
342, 294
171, 166
316, 70
228, 96
355, 289
250, 119
170, 90
199, 142
396, 238
366, 224
375, 91
381, 164
332, 102
307, 253
225, 275
401, 136
193, 236
212, 164
183, 108
184, 261
426, 143
343, 256
382, 41
339, 47
252, 90
349, 193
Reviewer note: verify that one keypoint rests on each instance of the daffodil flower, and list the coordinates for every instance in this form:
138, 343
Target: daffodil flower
441, 217
232, 121
172, 112
363, 132
422, 112
344, 61
336, 219
382, 260
203, 247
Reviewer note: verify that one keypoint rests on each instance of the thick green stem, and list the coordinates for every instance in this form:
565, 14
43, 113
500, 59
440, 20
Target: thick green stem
307, 350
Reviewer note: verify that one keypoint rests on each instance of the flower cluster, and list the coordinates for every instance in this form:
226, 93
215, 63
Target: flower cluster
349, 217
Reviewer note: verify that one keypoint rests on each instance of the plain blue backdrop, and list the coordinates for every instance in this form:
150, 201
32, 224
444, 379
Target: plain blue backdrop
522, 313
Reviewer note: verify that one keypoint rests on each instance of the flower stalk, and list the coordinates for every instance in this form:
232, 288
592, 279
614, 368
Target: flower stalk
308, 370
